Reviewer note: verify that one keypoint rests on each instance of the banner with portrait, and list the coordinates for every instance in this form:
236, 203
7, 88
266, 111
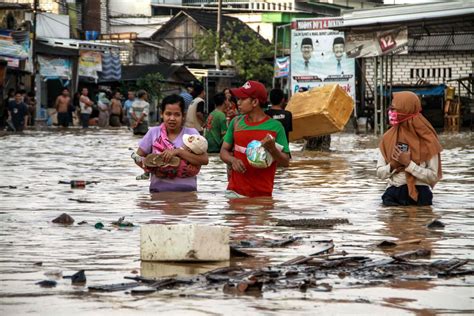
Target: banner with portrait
318, 55
90, 62
371, 44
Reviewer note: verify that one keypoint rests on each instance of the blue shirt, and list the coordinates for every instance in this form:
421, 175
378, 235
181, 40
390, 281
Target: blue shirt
187, 99
127, 105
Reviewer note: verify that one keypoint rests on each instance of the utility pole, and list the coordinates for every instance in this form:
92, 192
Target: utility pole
36, 76
219, 24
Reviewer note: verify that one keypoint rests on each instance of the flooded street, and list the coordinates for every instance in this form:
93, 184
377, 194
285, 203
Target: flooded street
339, 184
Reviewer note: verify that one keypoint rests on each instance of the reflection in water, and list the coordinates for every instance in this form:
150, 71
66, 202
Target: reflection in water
165, 269
339, 184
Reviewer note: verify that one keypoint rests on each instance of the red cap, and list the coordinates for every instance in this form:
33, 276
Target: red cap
251, 89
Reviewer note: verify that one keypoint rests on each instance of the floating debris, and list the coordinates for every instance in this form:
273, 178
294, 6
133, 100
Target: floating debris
122, 223
47, 283
235, 252
99, 225
434, 224
77, 278
312, 222
81, 201
394, 243
64, 219
412, 254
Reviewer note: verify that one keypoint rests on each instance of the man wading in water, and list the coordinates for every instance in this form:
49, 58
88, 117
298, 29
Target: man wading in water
253, 124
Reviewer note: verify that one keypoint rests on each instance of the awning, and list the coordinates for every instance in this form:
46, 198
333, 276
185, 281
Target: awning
430, 90
180, 73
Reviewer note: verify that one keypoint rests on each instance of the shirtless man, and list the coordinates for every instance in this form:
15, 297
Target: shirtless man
62, 108
86, 107
116, 110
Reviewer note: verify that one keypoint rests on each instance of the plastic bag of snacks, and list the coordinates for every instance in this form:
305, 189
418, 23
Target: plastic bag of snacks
257, 155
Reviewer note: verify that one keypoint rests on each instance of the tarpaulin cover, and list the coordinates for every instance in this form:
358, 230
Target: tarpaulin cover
111, 67
424, 91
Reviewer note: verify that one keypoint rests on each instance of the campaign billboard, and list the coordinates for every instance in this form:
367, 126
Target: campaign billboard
318, 55
377, 43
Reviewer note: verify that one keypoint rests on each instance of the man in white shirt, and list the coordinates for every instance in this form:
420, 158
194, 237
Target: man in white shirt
139, 113
86, 107
195, 113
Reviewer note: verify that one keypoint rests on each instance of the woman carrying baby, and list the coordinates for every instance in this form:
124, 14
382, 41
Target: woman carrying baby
167, 141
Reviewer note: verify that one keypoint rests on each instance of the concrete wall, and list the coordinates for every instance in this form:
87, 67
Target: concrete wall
254, 21
129, 7
434, 67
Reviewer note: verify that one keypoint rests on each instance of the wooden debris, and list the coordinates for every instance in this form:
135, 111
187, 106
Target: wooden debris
235, 252
312, 222
114, 287
412, 254
389, 243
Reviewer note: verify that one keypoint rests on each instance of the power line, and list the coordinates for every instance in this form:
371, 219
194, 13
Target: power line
105, 20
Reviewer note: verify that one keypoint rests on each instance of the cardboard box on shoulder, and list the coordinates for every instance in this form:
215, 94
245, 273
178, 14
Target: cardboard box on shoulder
319, 111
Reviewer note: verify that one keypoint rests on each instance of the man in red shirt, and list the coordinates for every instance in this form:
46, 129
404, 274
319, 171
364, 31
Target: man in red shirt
253, 124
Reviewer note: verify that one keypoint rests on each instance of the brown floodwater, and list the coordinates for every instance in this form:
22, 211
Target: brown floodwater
339, 184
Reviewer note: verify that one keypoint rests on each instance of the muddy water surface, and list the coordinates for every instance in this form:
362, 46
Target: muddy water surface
340, 184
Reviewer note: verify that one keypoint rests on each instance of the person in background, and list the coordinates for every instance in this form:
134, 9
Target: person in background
127, 105
216, 125
139, 114
195, 113
277, 112
103, 104
409, 158
116, 110
31, 108
186, 94
18, 112
86, 107
253, 124
76, 115
62, 105
230, 105
4, 108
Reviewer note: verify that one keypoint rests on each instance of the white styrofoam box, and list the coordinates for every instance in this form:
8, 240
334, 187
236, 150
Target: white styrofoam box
184, 242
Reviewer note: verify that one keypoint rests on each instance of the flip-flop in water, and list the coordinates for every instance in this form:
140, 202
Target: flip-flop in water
156, 160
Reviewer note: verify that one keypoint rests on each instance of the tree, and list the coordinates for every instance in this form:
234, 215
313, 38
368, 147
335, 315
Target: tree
153, 84
249, 54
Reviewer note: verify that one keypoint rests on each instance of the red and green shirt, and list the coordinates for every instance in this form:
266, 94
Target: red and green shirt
254, 182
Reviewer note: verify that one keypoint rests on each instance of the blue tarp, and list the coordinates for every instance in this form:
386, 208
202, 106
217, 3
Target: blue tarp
435, 91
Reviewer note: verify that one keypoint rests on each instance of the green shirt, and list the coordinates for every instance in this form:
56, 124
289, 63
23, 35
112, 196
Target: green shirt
216, 127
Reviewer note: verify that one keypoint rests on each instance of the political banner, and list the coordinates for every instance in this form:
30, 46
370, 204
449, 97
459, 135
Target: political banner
318, 55
90, 62
54, 67
371, 44
282, 67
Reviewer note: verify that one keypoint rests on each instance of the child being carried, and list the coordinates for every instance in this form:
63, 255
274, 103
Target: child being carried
176, 167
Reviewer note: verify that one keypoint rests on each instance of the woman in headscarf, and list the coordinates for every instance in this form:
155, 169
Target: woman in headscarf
104, 109
409, 154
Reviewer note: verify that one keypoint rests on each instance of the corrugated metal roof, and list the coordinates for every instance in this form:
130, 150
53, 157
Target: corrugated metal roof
407, 13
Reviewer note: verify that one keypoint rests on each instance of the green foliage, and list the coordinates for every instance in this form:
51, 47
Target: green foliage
250, 55
152, 84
